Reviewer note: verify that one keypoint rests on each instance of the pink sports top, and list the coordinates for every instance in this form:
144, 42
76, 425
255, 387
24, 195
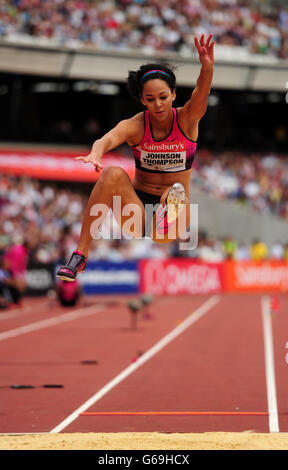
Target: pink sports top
175, 153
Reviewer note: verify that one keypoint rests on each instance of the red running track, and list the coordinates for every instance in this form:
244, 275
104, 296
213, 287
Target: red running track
200, 363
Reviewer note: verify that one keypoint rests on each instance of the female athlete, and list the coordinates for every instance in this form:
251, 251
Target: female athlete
163, 142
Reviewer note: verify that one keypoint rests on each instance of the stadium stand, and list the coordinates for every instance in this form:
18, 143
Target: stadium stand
148, 25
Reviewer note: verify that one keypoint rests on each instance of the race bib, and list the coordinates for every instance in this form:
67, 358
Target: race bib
164, 156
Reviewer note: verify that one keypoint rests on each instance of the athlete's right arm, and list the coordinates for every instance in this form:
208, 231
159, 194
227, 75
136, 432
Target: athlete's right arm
126, 130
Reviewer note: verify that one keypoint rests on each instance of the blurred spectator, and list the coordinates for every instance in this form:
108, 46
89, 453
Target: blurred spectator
15, 259
68, 293
242, 252
10, 292
258, 251
229, 247
210, 250
277, 251
285, 255
148, 25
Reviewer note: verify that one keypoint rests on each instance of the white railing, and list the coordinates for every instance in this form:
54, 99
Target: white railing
235, 67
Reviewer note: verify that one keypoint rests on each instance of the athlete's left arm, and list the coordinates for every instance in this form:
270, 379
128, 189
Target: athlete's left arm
196, 107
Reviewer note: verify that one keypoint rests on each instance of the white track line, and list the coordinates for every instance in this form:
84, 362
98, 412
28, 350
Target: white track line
26, 309
192, 318
269, 365
39, 325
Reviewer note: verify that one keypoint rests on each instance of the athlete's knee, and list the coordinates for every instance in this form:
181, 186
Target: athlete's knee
113, 175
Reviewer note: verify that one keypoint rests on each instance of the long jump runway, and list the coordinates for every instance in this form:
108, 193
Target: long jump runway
214, 363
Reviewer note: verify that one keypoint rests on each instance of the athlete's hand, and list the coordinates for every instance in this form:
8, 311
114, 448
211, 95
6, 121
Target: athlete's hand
205, 49
93, 158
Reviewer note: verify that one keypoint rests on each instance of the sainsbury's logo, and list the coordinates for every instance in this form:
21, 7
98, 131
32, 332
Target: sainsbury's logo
164, 146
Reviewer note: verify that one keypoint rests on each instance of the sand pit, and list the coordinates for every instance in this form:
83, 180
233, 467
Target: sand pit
145, 441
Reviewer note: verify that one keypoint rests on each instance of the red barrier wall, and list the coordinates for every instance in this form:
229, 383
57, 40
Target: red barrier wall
256, 277
185, 276
180, 276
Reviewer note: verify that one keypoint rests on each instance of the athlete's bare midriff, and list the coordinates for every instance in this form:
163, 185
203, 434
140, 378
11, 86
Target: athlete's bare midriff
156, 183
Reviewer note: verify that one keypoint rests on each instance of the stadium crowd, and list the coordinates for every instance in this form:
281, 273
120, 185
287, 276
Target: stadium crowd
148, 25
255, 180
